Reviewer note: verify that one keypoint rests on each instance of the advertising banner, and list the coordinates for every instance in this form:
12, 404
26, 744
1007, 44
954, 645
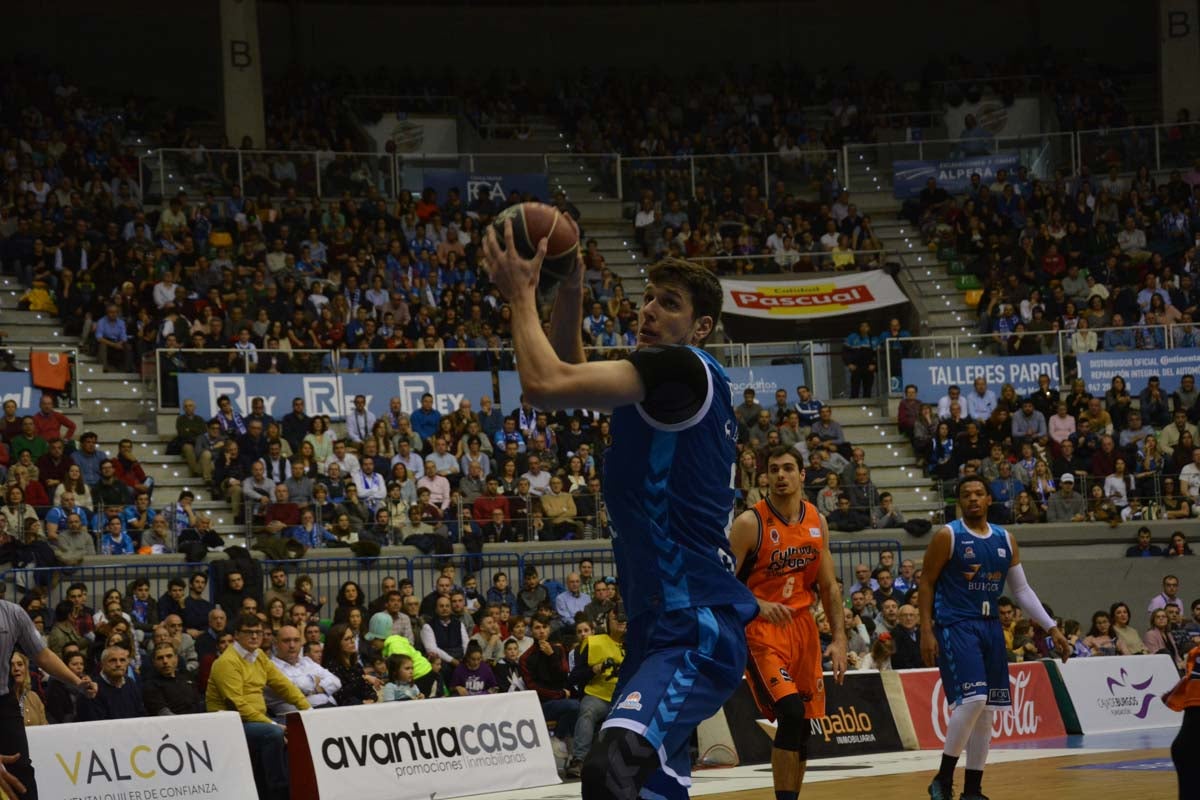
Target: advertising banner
933, 376
333, 394
413, 751
151, 758
857, 720
763, 380
1019, 116
18, 386
468, 184
951, 174
1120, 693
1033, 715
850, 293
1137, 367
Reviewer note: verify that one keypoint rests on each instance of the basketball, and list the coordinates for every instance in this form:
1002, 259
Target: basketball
533, 222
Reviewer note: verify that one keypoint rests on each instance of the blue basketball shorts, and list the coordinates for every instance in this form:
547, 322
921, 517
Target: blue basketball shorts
680, 667
974, 662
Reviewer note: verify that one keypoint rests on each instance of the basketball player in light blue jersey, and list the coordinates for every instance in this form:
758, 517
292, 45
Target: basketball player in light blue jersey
668, 488
966, 566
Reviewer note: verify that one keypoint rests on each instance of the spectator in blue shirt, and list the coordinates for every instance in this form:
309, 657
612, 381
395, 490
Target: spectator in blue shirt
115, 541
807, 407
89, 458
1118, 337
111, 336
572, 601
859, 355
981, 402
310, 533
426, 418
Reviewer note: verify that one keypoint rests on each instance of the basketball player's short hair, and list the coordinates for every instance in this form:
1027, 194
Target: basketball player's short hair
972, 479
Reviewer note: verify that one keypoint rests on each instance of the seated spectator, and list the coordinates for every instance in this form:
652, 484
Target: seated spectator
118, 697
315, 682
846, 518
236, 683
1101, 639
1066, 505
544, 670
167, 692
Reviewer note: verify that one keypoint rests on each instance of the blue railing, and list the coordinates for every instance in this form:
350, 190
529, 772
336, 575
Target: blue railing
328, 574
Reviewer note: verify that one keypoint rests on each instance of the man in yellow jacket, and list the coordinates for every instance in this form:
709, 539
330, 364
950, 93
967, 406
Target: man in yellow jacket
236, 684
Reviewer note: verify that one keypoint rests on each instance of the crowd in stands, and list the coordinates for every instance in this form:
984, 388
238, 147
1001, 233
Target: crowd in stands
267, 645
1088, 265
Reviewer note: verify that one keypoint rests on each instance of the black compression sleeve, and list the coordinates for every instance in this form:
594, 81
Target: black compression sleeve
677, 382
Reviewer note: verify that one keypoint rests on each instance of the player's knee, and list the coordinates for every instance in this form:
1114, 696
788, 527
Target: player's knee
793, 730
618, 765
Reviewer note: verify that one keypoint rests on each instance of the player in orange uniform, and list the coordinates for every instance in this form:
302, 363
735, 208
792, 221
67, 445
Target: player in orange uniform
782, 551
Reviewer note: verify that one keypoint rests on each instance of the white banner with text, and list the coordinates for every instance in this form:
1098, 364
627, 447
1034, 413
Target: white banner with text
1121, 693
150, 758
414, 750
828, 296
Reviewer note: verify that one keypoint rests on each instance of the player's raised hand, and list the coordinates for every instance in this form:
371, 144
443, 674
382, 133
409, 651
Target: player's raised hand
929, 648
1061, 644
775, 613
515, 276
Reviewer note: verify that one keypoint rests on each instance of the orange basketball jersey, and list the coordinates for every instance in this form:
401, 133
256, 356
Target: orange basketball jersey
782, 567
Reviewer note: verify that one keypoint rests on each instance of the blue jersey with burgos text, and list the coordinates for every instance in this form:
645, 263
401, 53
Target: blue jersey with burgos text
669, 494
973, 579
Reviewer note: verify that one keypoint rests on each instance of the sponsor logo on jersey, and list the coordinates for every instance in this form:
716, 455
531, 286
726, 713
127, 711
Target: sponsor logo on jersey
783, 673
1003, 553
814, 533
792, 559
969, 552
632, 702
774, 535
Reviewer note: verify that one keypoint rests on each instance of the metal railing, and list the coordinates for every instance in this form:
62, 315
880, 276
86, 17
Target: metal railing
1164, 146
870, 166
311, 173
1130, 338
793, 171
328, 574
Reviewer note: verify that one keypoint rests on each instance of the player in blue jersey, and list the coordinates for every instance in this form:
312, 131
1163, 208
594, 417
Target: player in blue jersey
668, 487
966, 566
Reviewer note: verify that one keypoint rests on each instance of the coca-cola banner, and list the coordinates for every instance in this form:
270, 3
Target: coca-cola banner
1120, 693
1033, 715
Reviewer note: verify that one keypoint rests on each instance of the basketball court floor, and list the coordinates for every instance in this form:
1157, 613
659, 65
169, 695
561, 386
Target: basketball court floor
1131, 766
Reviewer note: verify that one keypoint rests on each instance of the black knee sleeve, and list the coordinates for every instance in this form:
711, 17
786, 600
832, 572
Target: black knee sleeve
618, 765
794, 730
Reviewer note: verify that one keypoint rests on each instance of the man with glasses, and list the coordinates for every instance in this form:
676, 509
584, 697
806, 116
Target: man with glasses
236, 683
1168, 596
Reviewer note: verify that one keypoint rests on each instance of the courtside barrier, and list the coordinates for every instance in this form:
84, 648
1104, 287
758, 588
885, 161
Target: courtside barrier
416, 750
858, 720
1034, 714
150, 758
1120, 693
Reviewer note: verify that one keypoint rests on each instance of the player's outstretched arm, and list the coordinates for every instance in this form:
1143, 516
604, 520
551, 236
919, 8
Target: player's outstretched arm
1028, 601
937, 555
831, 601
547, 380
566, 318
